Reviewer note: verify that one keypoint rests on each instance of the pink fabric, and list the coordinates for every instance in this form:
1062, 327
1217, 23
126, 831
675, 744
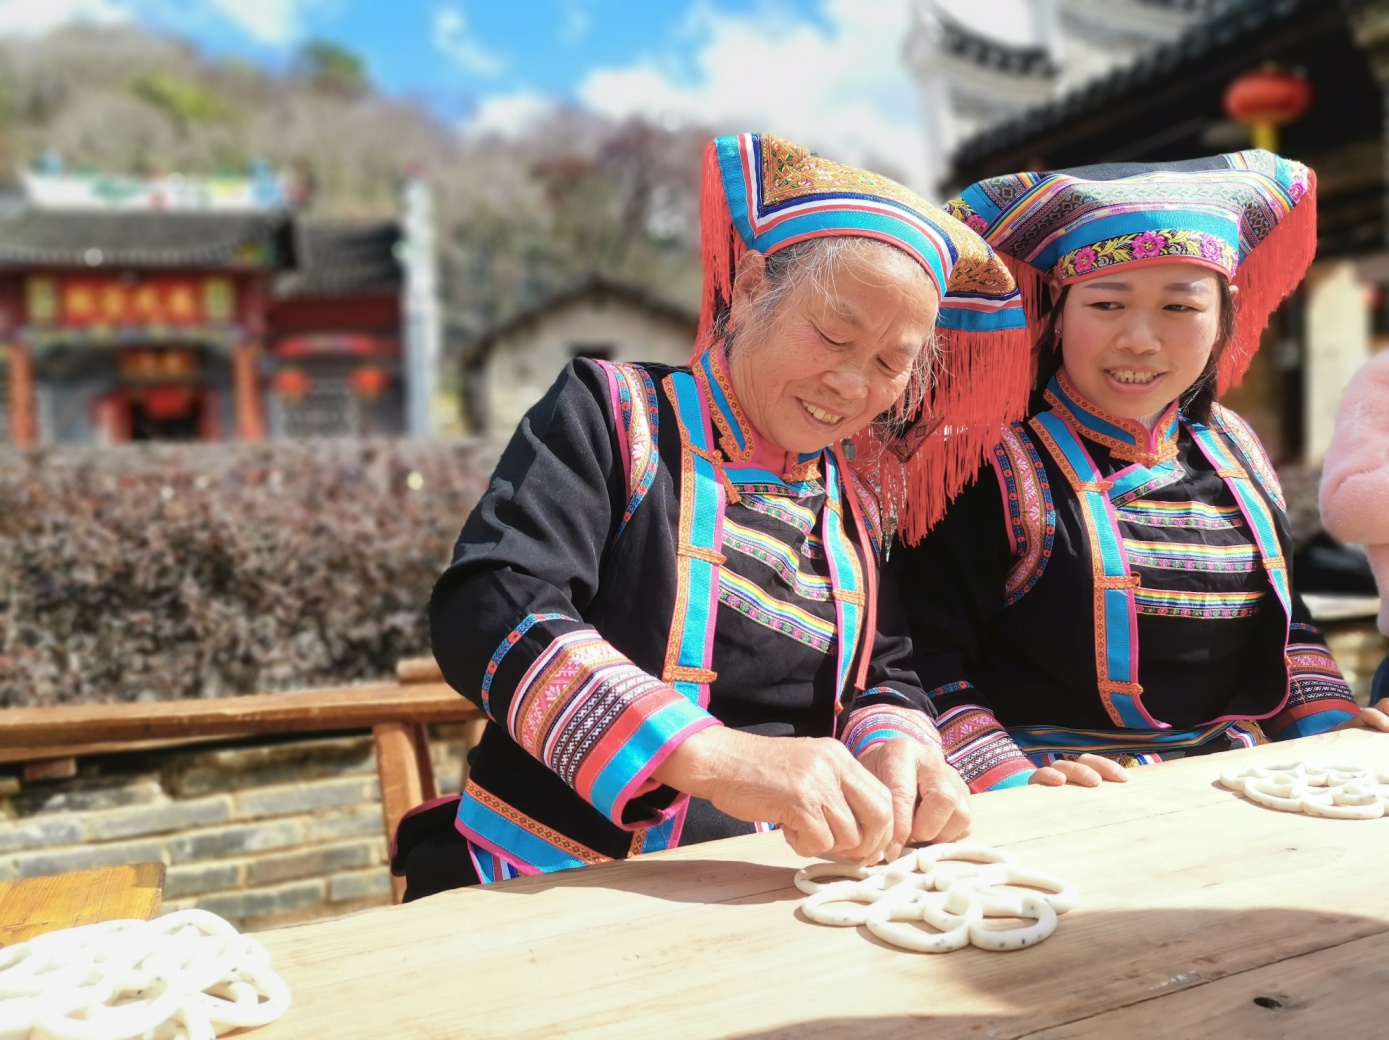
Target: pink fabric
1355, 479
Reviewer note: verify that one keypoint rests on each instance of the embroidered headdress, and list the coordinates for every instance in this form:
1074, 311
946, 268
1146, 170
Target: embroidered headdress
1251, 215
764, 193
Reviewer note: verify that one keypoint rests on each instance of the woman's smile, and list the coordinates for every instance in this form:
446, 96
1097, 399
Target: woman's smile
1133, 380
825, 418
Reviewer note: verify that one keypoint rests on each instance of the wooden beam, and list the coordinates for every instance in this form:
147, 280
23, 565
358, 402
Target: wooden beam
350, 707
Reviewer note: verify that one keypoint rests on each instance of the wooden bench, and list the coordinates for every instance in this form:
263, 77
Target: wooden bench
396, 713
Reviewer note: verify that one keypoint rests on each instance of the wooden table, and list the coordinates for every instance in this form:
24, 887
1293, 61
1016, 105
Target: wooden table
36, 905
1201, 915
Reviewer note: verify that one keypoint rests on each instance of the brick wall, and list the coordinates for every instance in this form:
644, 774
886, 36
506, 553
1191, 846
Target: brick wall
262, 832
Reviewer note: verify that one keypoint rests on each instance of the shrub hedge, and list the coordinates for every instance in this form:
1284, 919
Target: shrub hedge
168, 571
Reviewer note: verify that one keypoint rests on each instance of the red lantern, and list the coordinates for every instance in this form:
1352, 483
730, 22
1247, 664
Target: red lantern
292, 382
1267, 99
369, 380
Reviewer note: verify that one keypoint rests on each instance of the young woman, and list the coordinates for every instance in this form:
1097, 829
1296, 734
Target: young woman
1114, 589
665, 602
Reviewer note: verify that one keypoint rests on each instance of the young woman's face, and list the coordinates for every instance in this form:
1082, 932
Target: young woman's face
1134, 340
827, 362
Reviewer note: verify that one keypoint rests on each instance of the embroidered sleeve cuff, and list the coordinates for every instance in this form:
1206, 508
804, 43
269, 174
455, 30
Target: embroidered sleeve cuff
1318, 697
602, 725
879, 722
981, 750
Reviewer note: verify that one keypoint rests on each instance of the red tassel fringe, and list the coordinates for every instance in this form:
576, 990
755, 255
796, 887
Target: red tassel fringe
721, 247
979, 386
1271, 271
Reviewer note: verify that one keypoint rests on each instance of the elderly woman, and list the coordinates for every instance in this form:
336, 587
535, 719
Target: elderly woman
666, 600
1117, 590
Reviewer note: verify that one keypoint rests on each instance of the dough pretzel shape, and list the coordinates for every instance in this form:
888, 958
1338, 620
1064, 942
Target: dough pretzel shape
955, 889
1332, 791
186, 976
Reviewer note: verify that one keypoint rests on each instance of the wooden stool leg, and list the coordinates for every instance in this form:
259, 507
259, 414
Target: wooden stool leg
407, 777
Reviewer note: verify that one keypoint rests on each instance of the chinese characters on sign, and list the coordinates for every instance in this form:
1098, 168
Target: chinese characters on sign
113, 302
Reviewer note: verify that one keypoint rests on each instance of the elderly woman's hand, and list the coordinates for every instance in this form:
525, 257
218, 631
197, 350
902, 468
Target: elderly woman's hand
930, 801
1376, 716
826, 803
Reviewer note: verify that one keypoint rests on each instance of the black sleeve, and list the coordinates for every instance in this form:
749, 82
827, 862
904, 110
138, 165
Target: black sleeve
507, 618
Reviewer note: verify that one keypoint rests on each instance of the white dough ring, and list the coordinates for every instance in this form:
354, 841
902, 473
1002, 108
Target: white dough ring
808, 878
1335, 792
954, 889
887, 920
1003, 939
186, 976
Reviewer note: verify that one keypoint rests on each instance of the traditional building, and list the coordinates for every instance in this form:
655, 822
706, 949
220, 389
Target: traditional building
509, 367
1170, 105
174, 309
972, 78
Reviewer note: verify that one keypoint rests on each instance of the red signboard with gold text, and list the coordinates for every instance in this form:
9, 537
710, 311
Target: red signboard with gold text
79, 302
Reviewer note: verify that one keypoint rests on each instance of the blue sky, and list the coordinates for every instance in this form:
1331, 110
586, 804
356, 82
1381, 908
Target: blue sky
827, 72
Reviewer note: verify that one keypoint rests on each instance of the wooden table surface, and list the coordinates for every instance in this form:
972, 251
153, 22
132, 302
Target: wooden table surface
1201, 915
36, 905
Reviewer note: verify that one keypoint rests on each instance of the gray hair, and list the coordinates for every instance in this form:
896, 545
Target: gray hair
816, 265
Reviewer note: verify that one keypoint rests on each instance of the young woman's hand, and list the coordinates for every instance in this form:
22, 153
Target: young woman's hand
1376, 716
1083, 771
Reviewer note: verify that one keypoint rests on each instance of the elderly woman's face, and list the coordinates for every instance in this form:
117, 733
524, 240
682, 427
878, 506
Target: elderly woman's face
830, 360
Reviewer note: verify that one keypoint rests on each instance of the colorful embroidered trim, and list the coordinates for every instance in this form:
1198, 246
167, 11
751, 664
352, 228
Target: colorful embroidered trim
1197, 556
1127, 439
698, 558
597, 721
513, 637
872, 512
1037, 740
781, 508
1234, 427
489, 866
737, 438
876, 723
1318, 697
742, 595
981, 751
1255, 507
487, 821
1162, 603
781, 558
639, 413
846, 577
1115, 613
1148, 245
1031, 515
1138, 480
955, 687
1197, 515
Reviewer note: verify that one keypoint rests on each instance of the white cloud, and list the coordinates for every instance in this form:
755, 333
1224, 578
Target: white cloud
276, 22
35, 17
509, 115
840, 87
453, 38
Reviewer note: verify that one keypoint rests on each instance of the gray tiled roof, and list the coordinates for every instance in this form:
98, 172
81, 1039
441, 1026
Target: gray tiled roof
1219, 31
141, 238
338, 259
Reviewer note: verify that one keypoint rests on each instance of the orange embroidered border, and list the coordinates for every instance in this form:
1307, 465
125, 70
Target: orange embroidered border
490, 801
